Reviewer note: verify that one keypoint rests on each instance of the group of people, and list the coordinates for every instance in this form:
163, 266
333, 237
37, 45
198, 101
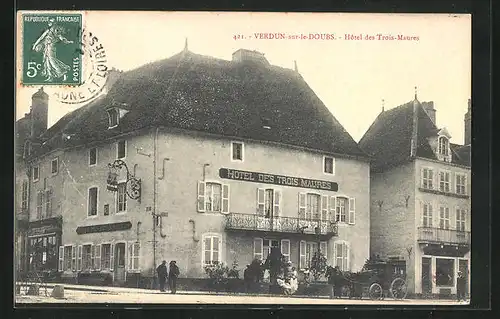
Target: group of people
288, 279
172, 274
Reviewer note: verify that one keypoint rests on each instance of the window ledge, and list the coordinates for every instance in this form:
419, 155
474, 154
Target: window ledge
438, 192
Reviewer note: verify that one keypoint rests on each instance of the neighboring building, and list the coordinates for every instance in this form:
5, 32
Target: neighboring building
234, 157
39, 190
420, 196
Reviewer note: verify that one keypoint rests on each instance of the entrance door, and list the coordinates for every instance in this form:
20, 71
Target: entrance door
426, 276
463, 266
120, 263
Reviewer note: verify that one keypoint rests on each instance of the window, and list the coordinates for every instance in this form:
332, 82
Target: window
268, 202
444, 217
54, 166
460, 218
92, 204
341, 255
86, 257
258, 249
106, 210
237, 151
68, 258
312, 206
444, 181
106, 256
43, 253
427, 215
445, 270
121, 198
121, 149
460, 183
311, 248
211, 249
113, 117
443, 146
133, 256
285, 249
328, 165
44, 204
24, 196
93, 156
268, 245
213, 197
36, 173
427, 178
340, 215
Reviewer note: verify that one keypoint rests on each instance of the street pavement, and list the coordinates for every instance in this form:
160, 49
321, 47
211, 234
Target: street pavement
87, 294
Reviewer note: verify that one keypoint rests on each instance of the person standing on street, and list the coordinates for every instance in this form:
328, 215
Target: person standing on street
172, 276
162, 275
461, 283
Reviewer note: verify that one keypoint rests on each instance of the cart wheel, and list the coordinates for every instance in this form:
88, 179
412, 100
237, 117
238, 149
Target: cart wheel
345, 291
375, 292
398, 288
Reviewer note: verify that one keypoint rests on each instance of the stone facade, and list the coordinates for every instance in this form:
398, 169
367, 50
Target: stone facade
183, 159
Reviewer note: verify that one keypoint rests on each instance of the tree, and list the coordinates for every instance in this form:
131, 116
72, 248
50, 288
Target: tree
318, 265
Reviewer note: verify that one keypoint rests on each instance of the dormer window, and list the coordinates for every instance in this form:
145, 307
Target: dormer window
113, 117
443, 146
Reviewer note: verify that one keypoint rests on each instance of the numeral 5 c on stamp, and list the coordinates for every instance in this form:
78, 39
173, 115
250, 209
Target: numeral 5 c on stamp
51, 52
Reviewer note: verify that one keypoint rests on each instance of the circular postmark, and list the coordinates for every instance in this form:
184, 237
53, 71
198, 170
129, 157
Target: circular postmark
94, 73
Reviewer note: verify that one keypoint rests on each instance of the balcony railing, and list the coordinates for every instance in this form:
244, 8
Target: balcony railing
280, 224
444, 236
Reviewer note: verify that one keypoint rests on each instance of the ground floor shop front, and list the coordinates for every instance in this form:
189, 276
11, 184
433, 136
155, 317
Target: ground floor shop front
437, 269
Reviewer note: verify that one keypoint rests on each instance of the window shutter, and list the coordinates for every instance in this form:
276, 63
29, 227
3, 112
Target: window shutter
258, 248
137, 255
97, 259
201, 197
61, 258
335, 255
285, 248
79, 264
225, 198
111, 256
302, 206
92, 256
452, 182
324, 208
261, 198
130, 256
277, 202
323, 246
73, 258
302, 254
333, 200
345, 258
352, 210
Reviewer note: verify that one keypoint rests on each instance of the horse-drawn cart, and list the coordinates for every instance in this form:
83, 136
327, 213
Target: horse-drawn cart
376, 280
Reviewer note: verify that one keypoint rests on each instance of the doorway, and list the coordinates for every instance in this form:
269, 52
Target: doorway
119, 263
426, 276
463, 266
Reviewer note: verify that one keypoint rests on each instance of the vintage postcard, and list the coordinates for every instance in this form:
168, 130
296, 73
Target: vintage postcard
247, 158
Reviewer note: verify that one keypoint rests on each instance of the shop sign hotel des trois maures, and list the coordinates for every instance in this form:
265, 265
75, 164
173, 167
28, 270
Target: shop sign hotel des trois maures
283, 180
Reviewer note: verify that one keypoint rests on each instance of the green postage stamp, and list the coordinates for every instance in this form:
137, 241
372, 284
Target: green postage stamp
51, 49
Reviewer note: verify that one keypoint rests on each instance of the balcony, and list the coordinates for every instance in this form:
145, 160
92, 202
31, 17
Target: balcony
433, 235
254, 222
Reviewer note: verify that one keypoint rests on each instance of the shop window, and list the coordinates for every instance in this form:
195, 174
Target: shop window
445, 272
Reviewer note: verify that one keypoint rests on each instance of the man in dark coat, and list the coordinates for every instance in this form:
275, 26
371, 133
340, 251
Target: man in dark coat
162, 275
172, 276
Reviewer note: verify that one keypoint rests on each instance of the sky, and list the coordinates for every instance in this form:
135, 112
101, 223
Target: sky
351, 77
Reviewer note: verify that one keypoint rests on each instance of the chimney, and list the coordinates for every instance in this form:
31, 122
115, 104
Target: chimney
429, 109
467, 122
242, 55
39, 113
